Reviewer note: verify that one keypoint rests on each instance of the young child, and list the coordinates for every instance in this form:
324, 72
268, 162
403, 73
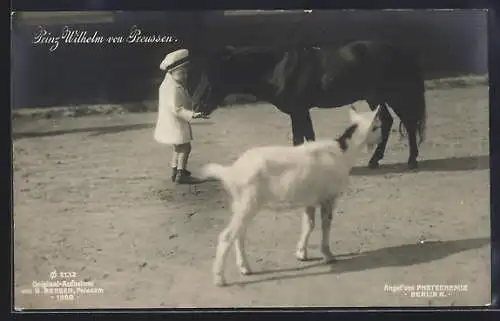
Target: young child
175, 113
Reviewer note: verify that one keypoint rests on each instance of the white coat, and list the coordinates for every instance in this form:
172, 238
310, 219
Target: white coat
174, 114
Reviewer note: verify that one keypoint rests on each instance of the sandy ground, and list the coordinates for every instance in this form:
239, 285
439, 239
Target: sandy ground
93, 197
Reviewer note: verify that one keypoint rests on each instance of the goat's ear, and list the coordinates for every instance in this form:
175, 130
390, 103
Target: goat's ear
376, 111
353, 114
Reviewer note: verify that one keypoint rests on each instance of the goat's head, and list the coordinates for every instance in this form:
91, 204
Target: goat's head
369, 132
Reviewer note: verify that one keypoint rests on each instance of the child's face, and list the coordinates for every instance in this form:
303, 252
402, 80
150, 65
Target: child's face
180, 74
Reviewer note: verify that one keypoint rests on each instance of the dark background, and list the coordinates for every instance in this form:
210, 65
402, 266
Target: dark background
450, 43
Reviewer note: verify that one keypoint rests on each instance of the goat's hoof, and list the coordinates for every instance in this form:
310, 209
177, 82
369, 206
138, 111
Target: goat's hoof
373, 164
245, 271
219, 281
301, 255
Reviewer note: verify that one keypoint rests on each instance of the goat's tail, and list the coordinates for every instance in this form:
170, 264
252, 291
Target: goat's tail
213, 170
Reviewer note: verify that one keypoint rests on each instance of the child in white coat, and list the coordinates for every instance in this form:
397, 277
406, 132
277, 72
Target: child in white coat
175, 113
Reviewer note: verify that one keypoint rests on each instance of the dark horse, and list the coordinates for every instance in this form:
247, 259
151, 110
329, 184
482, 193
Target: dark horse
298, 79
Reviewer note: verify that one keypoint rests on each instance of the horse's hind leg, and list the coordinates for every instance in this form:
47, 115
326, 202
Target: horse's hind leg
386, 123
412, 140
409, 121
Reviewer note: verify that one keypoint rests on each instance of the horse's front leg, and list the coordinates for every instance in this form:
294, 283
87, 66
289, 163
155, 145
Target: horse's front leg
302, 128
308, 129
297, 132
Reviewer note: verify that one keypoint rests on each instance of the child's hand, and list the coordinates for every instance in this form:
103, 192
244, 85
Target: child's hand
200, 115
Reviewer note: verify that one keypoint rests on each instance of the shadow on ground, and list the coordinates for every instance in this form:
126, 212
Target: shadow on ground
394, 256
94, 131
208, 190
191, 194
451, 164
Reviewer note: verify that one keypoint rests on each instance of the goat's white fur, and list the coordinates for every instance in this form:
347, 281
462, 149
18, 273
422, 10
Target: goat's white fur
315, 173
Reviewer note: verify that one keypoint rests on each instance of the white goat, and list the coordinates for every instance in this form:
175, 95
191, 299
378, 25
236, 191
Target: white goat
314, 173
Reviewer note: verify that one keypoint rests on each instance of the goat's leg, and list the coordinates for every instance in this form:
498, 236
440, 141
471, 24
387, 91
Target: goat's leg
239, 247
243, 211
226, 238
307, 228
327, 208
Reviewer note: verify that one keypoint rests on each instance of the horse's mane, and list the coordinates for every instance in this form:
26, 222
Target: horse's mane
276, 50
287, 68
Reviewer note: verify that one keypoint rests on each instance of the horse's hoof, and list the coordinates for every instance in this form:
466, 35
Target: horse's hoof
328, 257
373, 165
412, 165
329, 260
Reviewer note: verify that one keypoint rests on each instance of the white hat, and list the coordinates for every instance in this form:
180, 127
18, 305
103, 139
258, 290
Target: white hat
175, 60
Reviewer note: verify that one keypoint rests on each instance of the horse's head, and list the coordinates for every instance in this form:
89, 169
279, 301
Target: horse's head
206, 82
213, 76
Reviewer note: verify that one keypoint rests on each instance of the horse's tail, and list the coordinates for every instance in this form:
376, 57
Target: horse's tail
420, 119
422, 116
